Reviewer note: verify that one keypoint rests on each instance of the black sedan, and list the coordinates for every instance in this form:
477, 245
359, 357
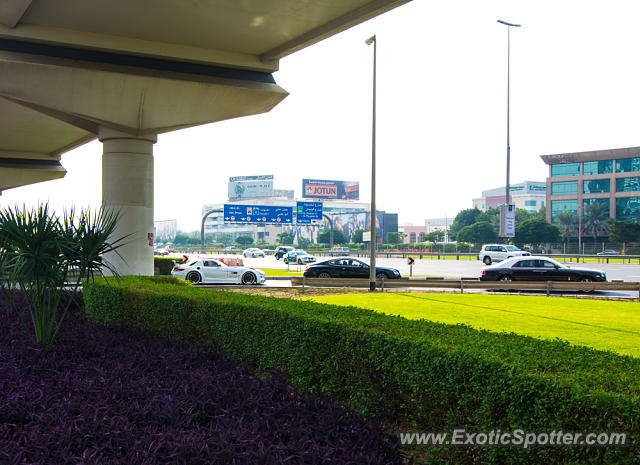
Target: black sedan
347, 268
539, 269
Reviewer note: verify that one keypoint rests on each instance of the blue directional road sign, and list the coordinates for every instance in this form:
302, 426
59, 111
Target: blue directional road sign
307, 212
257, 214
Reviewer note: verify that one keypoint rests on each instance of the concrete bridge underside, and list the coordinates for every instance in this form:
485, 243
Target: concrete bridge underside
124, 71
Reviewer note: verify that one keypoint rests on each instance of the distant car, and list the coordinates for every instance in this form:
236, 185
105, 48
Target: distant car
161, 252
497, 252
282, 250
535, 268
348, 268
299, 256
253, 252
230, 248
608, 252
214, 271
340, 252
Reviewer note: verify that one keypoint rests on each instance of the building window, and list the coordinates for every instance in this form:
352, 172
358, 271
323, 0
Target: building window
627, 164
490, 206
627, 184
542, 203
564, 188
558, 206
565, 169
628, 208
530, 203
412, 238
586, 203
597, 167
596, 186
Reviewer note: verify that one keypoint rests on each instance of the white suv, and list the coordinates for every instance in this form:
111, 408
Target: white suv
498, 252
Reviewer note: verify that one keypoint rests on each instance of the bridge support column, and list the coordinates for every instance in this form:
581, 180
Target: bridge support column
127, 187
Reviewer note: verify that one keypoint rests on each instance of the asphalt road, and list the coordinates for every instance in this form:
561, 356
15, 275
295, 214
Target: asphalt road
457, 269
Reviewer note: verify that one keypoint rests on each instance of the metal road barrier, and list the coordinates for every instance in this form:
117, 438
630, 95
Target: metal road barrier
474, 256
463, 284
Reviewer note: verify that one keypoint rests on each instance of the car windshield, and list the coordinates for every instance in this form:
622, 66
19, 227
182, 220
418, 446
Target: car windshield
511, 248
301, 252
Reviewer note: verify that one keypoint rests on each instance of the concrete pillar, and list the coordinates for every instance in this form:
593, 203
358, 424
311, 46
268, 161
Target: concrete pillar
127, 186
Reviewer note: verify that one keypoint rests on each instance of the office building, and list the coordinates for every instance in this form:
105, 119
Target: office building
610, 178
528, 195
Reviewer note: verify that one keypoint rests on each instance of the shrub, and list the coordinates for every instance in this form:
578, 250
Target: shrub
41, 253
420, 374
113, 395
165, 264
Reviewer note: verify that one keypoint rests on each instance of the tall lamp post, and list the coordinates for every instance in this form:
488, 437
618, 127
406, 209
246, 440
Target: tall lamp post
509, 26
372, 251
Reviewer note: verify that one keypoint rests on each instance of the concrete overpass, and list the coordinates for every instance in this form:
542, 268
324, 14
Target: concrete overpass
126, 70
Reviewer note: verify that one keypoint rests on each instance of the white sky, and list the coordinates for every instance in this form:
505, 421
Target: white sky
442, 69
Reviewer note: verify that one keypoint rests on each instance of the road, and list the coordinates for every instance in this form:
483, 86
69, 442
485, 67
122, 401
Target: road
457, 269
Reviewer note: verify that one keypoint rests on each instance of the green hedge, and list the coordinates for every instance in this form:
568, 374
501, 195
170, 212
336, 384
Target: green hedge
164, 265
422, 375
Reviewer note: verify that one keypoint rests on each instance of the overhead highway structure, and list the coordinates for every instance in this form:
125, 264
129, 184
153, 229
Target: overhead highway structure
125, 71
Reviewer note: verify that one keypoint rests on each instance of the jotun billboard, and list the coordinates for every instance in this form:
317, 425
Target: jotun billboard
337, 190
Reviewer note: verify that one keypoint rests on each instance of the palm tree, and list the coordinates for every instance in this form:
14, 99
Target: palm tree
595, 220
568, 221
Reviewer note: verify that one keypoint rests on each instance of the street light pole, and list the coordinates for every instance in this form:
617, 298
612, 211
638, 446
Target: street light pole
372, 251
509, 26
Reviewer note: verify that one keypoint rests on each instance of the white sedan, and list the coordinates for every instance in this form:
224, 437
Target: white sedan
212, 271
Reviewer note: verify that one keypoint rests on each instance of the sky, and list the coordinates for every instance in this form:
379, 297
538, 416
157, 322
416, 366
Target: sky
441, 111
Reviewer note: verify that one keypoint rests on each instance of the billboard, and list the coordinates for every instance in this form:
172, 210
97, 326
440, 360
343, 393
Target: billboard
165, 230
336, 190
257, 214
246, 187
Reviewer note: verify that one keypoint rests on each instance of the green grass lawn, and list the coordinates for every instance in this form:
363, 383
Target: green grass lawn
602, 325
276, 272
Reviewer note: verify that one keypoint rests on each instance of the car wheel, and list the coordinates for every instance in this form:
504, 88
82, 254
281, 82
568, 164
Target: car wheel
381, 276
587, 279
249, 278
299, 262
194, 277
324, 275
487, 260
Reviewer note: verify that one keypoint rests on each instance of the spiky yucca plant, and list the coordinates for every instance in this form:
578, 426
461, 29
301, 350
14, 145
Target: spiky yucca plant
47, 257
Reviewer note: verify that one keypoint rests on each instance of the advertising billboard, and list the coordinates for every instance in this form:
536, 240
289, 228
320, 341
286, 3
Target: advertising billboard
336, 190
257, 214
165, 230
250, 187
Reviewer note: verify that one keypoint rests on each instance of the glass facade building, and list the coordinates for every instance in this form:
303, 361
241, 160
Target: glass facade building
609, 179
597, 167
596, 186
558, 206
565, 169
564, 188
628, 208
627, 165
627, 184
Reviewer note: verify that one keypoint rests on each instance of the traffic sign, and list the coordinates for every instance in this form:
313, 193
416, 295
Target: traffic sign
257, 214
308, 212
410, 261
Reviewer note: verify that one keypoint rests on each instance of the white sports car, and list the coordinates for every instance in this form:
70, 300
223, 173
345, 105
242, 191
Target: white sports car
212, 271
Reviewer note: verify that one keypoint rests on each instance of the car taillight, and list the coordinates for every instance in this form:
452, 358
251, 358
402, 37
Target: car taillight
306, 268
178, 269
482, 274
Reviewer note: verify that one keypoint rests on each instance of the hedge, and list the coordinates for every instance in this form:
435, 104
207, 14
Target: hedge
420, 375
164, 265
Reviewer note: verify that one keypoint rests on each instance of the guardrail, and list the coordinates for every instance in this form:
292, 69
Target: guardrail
467, 255
464, 284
